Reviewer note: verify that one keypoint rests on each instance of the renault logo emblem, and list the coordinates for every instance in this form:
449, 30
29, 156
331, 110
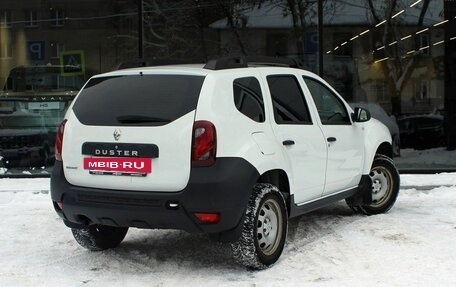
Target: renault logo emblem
116, 134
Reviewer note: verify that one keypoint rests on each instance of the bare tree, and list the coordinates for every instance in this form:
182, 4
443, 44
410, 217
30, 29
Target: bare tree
423, 12
172, 29
165, 23
400, 66
300, 11
233, 12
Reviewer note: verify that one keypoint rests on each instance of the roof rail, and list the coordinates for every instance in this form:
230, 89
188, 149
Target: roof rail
156, 62
246, 61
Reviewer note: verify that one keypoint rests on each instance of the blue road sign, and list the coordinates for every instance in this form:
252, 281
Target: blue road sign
36, 50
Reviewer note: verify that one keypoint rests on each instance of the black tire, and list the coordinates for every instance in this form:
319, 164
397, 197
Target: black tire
385, 186
99, 237
265, 228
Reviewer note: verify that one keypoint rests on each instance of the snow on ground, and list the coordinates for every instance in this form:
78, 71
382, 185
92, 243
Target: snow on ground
412, 245
427, 180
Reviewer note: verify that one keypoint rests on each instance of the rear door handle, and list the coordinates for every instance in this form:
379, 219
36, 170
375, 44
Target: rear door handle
331, 139
288, 142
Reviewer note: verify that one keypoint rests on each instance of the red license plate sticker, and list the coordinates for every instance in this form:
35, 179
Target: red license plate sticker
118, 164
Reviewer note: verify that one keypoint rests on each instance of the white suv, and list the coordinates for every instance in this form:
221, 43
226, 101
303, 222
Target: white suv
233, 149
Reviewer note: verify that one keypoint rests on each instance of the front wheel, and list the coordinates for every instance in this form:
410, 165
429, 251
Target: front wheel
99, 237
264, 228
385, 186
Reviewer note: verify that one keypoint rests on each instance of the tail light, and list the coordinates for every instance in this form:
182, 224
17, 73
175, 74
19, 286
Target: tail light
208, 217
59, 141
204, 145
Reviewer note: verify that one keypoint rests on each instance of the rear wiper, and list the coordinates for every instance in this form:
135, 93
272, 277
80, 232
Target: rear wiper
133, 119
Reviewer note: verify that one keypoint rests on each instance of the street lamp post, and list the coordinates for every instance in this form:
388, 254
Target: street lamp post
140, 29
320, 37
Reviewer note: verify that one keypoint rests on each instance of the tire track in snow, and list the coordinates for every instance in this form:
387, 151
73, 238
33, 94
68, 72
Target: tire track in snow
313, 226
157, 251
309, 235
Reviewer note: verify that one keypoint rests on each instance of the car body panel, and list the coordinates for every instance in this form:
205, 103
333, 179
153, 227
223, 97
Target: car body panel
170, 171
378, 113
314, 167
345, 155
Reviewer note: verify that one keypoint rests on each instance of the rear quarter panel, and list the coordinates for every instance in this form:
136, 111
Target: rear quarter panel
238, 135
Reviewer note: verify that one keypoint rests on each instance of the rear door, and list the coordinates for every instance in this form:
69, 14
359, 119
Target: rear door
302, 141
132, 132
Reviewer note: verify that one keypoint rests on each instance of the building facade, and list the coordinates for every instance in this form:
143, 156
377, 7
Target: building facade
395, 56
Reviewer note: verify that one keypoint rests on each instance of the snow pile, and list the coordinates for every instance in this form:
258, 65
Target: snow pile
412, 245
423, 180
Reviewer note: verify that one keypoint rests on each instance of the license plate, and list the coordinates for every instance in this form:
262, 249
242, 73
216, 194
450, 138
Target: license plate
44, 106
118, 165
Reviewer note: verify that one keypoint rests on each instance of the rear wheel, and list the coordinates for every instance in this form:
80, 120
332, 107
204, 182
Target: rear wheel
385, 186
99, 237
265, 228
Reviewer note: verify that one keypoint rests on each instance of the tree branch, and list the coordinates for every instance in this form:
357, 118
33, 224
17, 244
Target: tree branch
423, 12
373, 12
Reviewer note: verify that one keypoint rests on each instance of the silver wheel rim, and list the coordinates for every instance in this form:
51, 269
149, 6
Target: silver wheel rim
381, 185
269, 226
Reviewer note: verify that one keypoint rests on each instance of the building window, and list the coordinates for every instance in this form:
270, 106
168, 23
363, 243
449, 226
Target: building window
276, 44
128, 24
378, 91
31, 18
422, 44
421, 91
345, 47
5, 19
56, 49
6, 50
57, 17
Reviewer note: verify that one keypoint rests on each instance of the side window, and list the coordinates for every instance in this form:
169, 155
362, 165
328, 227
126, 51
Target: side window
248, 98
288, 100
330, 108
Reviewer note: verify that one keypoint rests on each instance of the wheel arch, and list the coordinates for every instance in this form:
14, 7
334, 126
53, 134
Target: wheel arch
278, 178
384, 148
377, 140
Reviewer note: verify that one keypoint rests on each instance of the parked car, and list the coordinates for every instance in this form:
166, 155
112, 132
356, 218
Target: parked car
24, 139
32, 104
422, 131
43, 80
233, 149
377, 112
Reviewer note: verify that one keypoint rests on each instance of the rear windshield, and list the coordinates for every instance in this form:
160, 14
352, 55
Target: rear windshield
148, 100
32, 112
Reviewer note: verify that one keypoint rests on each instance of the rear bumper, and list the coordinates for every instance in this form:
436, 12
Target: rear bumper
224, 188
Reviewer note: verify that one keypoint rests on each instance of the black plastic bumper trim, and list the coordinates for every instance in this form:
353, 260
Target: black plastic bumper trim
224, 187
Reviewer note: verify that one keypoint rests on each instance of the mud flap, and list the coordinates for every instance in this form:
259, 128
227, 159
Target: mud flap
364, 194
229, 235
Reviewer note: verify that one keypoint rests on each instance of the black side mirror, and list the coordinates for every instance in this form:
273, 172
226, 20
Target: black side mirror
361, 115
